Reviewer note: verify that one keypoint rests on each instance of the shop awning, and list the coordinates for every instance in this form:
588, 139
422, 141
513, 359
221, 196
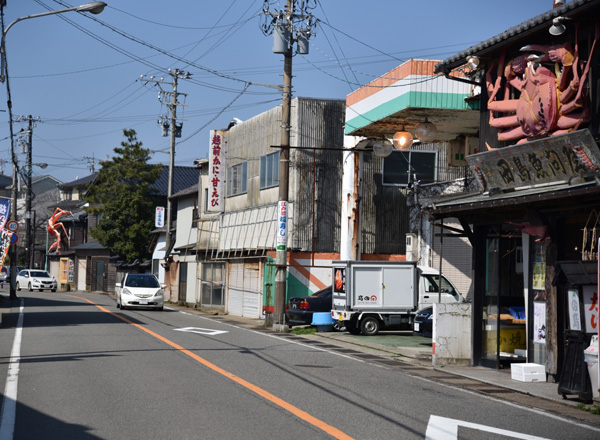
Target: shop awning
577, 273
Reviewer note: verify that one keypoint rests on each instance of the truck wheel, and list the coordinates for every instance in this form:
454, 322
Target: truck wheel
369, 326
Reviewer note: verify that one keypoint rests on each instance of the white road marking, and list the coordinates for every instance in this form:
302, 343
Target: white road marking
9, 403
513, 404
442, 428
201, 331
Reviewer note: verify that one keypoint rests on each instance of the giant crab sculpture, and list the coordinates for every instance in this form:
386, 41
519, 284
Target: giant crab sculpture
549, 102
53, 228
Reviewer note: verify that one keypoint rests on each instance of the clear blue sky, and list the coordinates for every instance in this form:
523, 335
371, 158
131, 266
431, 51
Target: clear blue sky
86, 87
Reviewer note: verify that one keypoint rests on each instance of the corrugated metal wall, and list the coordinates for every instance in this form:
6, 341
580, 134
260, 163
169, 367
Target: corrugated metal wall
384, 216
316, 175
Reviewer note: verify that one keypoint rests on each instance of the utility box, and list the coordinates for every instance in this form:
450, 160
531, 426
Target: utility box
528, 372
412, 247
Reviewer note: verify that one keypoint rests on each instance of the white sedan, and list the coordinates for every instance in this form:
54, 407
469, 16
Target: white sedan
36, 280
139, 290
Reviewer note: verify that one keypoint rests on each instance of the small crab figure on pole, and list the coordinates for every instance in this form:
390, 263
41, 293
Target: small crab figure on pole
53, 225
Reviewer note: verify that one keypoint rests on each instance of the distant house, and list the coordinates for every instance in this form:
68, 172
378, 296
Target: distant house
44, 194
183, 273
5, 185
86, 264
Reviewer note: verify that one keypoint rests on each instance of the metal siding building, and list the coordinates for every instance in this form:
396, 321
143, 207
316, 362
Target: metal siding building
316, 174
244, 234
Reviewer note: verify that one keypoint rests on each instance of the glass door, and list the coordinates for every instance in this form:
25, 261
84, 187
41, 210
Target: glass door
490, 304
503, 317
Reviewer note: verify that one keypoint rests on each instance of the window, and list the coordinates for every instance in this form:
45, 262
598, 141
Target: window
422, 164
212, 285
269, 170
237, 176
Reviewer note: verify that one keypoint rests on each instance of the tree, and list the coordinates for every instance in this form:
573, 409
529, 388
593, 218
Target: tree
123, 200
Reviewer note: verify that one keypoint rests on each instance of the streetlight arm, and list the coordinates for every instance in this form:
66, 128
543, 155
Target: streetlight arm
93, 8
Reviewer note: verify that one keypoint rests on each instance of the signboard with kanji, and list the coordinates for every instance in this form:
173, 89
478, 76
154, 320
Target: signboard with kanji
159, 217
4, 212
282, 225
547, 160
216, 172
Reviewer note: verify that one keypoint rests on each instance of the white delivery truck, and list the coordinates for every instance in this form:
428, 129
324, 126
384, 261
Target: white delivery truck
369, 296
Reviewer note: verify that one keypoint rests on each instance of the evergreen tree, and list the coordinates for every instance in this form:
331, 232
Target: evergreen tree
123, 200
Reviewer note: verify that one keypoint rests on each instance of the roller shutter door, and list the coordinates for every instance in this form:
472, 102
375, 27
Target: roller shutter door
244, 288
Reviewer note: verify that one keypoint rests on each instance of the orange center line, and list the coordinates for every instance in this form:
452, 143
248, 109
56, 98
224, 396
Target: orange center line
303, 415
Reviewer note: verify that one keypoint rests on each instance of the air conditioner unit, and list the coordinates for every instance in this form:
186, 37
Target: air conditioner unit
412, 247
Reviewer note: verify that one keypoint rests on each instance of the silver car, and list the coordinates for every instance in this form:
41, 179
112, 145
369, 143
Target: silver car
35, 279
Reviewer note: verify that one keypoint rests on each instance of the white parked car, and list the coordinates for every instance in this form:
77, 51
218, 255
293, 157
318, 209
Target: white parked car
139, 290
34, 279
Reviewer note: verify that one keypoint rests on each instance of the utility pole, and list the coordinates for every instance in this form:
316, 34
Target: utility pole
285, 35
26, 175
28, 241
284, 172
169, 123
91, 163
173, 108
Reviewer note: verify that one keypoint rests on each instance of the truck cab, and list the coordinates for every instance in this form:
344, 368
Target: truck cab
429, 290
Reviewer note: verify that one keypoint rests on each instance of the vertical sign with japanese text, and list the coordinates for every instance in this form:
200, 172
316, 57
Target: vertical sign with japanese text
216, 172
574, 312
4, 212
282, 225
159, 217
5, 235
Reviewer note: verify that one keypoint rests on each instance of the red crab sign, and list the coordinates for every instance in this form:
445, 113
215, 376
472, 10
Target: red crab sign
550, 85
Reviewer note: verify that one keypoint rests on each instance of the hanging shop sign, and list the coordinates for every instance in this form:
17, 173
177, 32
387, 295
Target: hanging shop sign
548, 160
216, 172
159, 217
574, 310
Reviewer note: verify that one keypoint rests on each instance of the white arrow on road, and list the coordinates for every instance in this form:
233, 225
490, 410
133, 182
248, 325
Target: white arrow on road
201, 331
441, 428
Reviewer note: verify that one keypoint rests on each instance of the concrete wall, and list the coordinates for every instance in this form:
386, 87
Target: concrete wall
451, 334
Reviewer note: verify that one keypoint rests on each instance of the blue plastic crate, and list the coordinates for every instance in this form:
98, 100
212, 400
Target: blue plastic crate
517, 312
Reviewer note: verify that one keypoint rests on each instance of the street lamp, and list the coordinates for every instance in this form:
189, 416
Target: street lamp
93, 8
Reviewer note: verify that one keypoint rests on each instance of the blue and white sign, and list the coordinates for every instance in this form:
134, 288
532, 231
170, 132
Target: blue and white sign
159, 217
282, 225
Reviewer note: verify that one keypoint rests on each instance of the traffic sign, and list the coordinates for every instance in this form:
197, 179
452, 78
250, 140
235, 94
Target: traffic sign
14, 238
12, 226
